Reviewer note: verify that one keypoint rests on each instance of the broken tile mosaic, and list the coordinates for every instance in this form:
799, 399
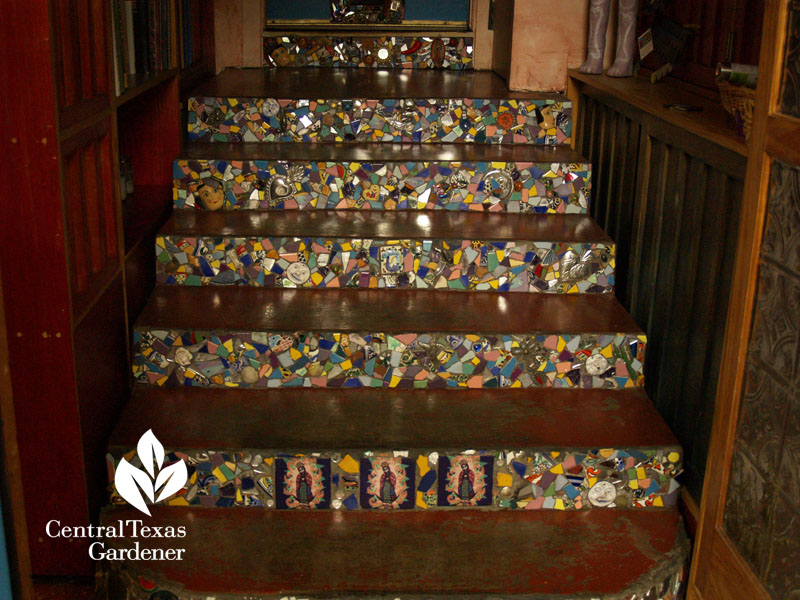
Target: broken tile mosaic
478, 120
271, 359
364, 263
492, 186
453, 53
403, 479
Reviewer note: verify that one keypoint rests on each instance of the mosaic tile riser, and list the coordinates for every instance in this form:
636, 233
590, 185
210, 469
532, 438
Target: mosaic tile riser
479, 120
453, 53
364, 263
140, 587
412, 360
520, 479
492, 186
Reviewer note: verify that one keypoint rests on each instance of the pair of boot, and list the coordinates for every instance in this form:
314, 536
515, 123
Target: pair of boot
626, 38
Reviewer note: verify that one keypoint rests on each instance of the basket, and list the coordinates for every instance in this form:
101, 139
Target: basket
738, 102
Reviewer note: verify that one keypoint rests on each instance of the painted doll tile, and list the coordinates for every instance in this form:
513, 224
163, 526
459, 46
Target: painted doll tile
453, 53
303, 482
497, 186
465, 480
388, 482
467, 120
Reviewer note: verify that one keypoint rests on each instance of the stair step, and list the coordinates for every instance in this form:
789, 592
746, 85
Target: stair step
424, 250
482, 177
384, 338
375, 105
365, 49
375, 554
527, 441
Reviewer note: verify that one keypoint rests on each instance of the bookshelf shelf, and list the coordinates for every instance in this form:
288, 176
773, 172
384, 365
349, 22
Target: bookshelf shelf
143, 83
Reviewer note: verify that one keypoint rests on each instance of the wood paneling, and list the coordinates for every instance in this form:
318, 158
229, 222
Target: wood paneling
90, 214
81, 68
671, 201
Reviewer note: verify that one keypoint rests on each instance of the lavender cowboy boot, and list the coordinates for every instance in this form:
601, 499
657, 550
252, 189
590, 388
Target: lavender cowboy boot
598, 23
626, 39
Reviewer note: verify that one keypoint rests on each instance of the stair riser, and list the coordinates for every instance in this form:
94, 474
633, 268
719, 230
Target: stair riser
288, 359
493, 186
529, 479
356, 263
294, 50
478, 120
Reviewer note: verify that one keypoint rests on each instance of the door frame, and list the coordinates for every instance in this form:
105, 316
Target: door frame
718, 570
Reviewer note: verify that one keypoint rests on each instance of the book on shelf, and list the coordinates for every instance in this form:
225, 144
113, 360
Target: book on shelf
143, 44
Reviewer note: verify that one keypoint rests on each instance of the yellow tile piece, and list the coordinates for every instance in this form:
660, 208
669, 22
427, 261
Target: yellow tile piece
269, 460
219, 475
606, 452
422, 465
522, 503
633, 484
555, 454
608, 351
179, 501
640, 473
239, 495
348, 464
421, 501
592, 481
559, 504
561, 344
659, 501
504, 479
558, 469
228, 345
673, 457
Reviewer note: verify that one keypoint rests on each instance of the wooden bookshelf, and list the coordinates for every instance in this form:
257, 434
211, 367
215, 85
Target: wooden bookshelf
77, 261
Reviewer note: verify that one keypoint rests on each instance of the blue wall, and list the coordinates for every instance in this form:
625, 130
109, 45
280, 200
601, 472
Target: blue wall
416, 10
5, 578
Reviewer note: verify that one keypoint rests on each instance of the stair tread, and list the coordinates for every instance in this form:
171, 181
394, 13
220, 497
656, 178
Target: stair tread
389, 311
372, 152
389, 419
332, 554
390, 225
333, 82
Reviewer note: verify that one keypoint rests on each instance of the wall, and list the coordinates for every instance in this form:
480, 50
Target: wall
537, 41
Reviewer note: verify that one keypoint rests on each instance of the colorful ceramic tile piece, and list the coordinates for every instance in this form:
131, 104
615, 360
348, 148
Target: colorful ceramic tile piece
364, 263
491, 186
303, 482
466, 480
473, 120
376, 52
272, 359
405, 479
387, 482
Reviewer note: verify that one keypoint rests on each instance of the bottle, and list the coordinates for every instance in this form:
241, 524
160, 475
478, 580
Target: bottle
737, 74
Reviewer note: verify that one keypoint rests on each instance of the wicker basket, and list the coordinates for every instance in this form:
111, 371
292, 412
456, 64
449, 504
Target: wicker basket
738, 101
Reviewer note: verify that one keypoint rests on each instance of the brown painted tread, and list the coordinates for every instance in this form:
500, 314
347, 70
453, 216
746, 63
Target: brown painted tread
381, 554
329, 82
389, 225
370, 152
387, 311
304, 419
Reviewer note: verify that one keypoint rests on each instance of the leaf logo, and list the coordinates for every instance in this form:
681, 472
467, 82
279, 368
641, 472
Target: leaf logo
131, 481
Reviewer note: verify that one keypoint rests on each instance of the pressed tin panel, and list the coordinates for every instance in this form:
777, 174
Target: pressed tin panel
671, 202
790, 93
762, 513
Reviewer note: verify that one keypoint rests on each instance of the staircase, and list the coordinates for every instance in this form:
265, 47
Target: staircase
384, 341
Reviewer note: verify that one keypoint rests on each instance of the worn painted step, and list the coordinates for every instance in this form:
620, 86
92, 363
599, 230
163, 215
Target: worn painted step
533, 449
369, 555
373, 105
444, 50
428, 250
466, 177
267, 337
